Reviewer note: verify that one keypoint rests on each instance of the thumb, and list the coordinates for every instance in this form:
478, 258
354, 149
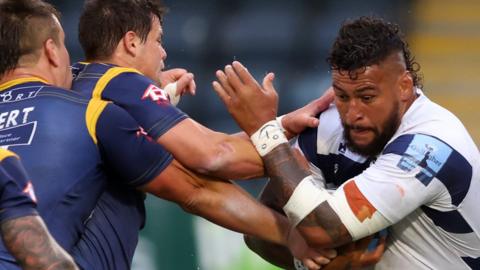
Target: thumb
268, 82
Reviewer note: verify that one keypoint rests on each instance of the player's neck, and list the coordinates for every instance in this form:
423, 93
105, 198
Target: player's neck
22, 73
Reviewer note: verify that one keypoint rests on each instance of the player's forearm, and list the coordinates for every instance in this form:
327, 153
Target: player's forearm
235, 158
321, 227
275, 254
219, 201
29, 242
228, 205
212, 153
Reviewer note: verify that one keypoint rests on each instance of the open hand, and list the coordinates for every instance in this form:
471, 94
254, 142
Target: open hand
250, 104
295, 122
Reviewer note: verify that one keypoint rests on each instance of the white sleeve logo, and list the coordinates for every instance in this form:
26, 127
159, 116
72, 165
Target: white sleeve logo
154, 93
28, 190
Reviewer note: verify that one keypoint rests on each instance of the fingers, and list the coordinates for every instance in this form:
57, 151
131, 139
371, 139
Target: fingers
268, 83
311, 264
243, 74
184, 82
233, 78
224, 83
221, 92
330, 253
171, 75
322, 103
192, 87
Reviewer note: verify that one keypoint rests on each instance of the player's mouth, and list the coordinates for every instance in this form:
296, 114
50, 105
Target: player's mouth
360, 133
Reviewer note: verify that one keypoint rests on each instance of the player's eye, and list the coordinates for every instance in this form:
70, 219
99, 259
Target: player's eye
367, 99
341, 97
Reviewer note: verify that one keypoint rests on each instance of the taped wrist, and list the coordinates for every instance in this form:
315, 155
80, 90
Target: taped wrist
279, 120
268, 137
171, 90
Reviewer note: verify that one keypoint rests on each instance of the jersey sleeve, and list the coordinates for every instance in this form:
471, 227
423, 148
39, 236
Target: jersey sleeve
16, 192
408, 175
144, 101
126, 150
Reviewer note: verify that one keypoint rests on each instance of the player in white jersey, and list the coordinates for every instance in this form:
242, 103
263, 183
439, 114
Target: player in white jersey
424, 182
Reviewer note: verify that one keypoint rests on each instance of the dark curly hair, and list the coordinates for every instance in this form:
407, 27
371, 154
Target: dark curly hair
368, 41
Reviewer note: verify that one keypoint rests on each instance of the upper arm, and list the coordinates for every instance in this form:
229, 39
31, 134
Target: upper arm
126, 151
211, 152
16, 196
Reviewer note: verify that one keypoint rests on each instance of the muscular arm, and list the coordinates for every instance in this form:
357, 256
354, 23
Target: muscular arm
322, 227
212, 153
221, 202
29, 241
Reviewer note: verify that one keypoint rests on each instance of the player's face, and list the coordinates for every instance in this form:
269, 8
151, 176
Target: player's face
369, 107
151, 55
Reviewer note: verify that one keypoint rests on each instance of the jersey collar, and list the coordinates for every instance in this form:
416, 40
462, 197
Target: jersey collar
18, 81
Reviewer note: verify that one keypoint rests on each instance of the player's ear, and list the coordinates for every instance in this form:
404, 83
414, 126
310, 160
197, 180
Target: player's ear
51, 50
406, 86
131, 42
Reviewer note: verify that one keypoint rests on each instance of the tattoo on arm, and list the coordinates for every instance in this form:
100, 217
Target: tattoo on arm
286, 172
29, 241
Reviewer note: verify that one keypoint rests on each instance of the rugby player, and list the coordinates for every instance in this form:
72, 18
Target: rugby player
423, 181
75, 147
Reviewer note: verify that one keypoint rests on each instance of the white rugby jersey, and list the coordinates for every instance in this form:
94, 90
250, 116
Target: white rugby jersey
426, 183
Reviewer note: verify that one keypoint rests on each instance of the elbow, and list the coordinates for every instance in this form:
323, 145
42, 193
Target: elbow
214, 160
210, 165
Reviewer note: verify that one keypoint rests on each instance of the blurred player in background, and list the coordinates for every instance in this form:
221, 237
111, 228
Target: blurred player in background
423, 181
75, 148
23, 231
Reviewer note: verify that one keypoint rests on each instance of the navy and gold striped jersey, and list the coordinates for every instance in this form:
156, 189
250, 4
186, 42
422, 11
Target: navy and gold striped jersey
72, 147
128, 88
16, 191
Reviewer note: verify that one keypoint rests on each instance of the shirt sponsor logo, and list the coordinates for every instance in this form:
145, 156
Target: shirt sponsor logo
425, 154
156, 94
18, 94
15, 128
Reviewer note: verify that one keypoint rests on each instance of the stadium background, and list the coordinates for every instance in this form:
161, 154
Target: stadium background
290, 38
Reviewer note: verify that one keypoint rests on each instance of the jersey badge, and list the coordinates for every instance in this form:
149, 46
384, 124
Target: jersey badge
156, 94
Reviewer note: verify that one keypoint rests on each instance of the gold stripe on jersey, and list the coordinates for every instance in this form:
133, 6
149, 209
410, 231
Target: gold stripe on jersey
94, 110
107, 77
5, 154
11, 83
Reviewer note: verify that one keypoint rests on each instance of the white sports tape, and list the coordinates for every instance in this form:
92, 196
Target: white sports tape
357, 229
171, 90
305, 198
279, 120
298, 264
268, 137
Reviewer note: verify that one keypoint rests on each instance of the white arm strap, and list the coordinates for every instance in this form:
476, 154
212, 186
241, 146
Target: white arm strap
308, 195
